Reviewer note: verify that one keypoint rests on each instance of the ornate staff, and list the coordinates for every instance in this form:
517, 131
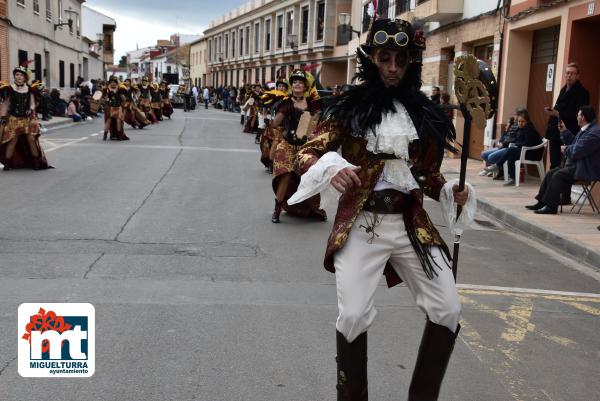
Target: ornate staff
476, 90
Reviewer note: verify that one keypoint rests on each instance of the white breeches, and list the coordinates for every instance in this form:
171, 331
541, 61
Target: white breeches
359, 266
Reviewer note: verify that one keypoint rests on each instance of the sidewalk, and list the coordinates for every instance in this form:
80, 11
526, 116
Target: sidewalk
55, 123
576, 235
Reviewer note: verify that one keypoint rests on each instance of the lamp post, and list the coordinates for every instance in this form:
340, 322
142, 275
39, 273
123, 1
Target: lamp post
344, 20
69, 21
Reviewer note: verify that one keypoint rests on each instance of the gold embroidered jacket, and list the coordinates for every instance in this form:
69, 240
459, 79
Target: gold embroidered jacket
329, 136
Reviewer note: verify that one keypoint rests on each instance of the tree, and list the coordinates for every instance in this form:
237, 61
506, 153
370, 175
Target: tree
123, 61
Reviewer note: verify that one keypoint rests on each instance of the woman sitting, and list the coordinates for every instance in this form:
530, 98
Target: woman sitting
526, 136
493, 155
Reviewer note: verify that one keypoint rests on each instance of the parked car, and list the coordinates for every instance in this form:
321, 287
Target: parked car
176, 100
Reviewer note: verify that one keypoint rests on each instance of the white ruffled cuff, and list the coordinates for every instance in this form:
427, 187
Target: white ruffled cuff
448, 207
317, 177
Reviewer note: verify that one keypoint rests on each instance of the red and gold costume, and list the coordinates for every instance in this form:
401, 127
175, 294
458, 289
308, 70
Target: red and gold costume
132, 114
156, 102
145, 100
284, 173
114, 95
19, 145
167, 107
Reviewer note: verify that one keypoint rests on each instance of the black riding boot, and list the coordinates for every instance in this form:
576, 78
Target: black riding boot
436, 347
352, 368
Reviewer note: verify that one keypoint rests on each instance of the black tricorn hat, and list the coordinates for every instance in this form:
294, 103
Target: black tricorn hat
281, 82
393, 34
113, 78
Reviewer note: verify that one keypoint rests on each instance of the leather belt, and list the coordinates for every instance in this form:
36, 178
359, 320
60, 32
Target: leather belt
388, 201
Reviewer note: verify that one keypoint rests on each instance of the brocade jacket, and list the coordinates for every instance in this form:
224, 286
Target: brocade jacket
328, 136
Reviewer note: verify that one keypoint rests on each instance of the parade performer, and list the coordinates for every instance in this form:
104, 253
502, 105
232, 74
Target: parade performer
145, 100
167, 108
156, 103
251, 111
391, 156
271, 135
114, 94
302, 99
132, 114
20, 130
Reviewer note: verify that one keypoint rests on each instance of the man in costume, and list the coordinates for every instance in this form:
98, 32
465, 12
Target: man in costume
114, 95
391, 156
303, 98
167, 108
20, 146
571, 97
145, 100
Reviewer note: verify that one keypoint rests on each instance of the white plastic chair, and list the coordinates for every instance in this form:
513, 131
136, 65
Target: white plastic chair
523, 160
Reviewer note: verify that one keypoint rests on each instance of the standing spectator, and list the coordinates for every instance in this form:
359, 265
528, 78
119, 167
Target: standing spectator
435, 94
195, 93
571, 97
225, 97
45, 107
445, 100
206, 97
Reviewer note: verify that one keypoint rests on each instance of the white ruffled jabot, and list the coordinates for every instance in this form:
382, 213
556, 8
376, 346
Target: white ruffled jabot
393, 136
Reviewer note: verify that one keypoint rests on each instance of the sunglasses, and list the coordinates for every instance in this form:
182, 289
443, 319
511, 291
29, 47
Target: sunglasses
382, 37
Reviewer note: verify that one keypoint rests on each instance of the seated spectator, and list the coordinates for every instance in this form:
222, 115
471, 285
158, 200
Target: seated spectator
507, 138
72, 110
59, 106
582, 156
526, 135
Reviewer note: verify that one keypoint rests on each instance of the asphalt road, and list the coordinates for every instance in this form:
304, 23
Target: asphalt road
198, 296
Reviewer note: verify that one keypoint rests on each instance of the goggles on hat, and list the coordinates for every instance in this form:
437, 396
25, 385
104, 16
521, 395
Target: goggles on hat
382, 37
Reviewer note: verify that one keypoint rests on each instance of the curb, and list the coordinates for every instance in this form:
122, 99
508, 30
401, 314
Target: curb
559, 243
61, 125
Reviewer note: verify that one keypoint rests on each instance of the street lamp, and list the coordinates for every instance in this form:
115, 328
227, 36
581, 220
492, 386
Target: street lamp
69, 21
344, 20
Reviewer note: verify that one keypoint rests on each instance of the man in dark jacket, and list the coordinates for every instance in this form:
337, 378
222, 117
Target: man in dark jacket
571, 97
582, 163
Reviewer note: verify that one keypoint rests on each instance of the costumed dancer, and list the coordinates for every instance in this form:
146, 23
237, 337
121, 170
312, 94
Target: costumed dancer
167, 107
302, 102
145, 100
270, 136
156, 103
20, 145
391, 156
132, 115
114, 95
251, 110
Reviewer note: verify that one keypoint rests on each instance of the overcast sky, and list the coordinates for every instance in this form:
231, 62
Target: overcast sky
142, 22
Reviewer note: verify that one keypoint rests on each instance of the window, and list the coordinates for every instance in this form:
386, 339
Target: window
241, 42
219, 52
279, 31
226, 45
49, 10
289, 22
304, 37
257, 37
273, 73
71, 75
247, 50
320, 20
402, 6
37, 60
21, 3
366, 18
23, 57
267, 35
61, 74
168, 69
36, 7
232, 44
484, 52
78, 25
257, 75
210, 50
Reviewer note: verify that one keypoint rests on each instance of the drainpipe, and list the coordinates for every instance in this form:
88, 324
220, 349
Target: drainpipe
499, 73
